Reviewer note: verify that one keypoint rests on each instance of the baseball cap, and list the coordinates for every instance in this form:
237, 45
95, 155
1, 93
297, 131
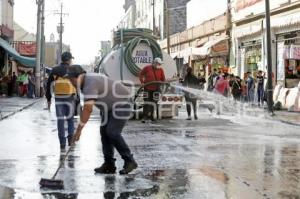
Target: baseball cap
158, 60
74, 71
66, 56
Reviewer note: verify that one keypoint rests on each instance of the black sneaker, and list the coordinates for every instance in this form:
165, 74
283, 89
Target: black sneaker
128, 167
196, 117
106, 168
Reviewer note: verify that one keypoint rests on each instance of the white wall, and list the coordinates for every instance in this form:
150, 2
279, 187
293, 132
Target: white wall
199, 11
7, 14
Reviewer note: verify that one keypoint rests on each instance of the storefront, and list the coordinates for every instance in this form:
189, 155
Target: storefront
288, 59
251, 57
287, 33
212, 55
14, 58
248, 48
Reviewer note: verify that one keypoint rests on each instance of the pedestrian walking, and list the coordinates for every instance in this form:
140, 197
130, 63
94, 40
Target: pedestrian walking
23, 83
31, 85
250, 88
260, 88
151, 73
14, 83
191, 81
236, 88
222, 86
65, 94
113, 100
212, 80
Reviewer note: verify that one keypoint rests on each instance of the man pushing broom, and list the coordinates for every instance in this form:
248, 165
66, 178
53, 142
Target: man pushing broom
114, 101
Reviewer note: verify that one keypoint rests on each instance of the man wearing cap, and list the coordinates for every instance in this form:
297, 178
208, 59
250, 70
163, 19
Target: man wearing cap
65, 95
151, 73
113, 100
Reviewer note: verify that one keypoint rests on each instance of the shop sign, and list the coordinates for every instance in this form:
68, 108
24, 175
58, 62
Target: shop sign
295, 52
27, 49
142, 55
242, 4
220, 47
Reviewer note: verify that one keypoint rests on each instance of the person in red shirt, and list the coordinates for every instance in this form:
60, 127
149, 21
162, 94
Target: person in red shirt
222, 86
151, 73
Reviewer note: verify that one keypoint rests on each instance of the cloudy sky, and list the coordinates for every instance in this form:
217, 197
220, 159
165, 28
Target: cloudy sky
88, 22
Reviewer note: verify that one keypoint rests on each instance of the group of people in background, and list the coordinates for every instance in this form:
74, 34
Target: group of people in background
249, 89
22, 85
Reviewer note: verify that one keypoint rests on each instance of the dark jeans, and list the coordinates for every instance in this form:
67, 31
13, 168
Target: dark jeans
31, 89
260, 94
150, 99
111, 137
65, 112
191, 102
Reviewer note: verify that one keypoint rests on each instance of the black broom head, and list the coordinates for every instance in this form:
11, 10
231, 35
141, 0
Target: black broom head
51, 183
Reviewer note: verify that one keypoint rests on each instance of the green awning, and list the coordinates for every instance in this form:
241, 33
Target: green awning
25, 61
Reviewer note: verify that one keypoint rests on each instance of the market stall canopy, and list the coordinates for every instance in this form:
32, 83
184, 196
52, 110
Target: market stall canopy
25, 61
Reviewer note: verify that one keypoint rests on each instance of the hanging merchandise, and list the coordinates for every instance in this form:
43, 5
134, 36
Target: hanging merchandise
295, 52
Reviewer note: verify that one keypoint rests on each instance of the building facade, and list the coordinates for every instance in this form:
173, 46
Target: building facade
6, 32
52, 54
156, 15
249, 39
105, 48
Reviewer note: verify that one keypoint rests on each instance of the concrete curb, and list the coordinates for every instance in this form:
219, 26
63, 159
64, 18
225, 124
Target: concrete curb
19, 110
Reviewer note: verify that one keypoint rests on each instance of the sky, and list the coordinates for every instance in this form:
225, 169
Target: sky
88, 22
202, 10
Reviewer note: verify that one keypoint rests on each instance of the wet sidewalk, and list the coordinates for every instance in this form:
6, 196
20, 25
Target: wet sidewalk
11, 105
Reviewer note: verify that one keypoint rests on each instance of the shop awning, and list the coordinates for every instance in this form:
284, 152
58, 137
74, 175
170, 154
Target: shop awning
286, 20
206, 49
25, 61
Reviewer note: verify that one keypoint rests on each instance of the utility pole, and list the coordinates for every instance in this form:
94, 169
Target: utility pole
43, 42
269, 58
43, 34
228, 30
60, 29
167, 18
38, 50
153, 27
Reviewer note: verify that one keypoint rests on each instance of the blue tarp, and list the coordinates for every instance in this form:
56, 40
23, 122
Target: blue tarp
25, 61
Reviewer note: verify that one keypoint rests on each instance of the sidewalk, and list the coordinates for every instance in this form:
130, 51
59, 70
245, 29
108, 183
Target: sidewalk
12, 105
288, 117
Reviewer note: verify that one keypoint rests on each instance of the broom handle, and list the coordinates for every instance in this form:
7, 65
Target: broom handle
62, 162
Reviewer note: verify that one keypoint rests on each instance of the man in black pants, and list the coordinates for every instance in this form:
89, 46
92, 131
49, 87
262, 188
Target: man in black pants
151, 73
191, 81
113, 100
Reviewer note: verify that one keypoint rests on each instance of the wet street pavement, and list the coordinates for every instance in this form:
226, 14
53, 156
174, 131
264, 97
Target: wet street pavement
215, 157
